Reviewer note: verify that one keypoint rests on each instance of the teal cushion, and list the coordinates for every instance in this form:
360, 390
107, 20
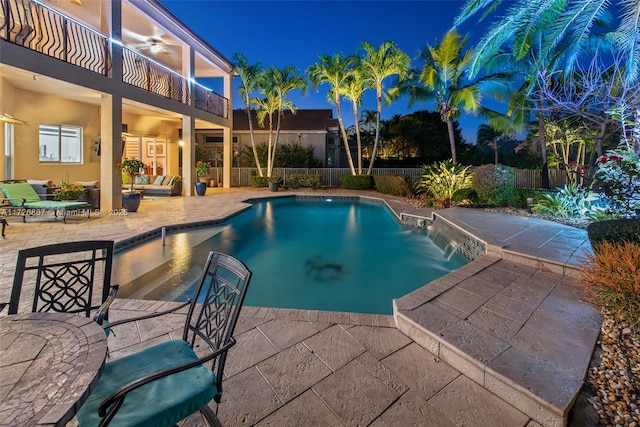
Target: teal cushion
18, 191
54, 204
163, 402
141, 179
158, 180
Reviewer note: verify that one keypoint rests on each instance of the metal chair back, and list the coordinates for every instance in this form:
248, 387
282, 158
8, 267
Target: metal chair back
72, 277
215, 309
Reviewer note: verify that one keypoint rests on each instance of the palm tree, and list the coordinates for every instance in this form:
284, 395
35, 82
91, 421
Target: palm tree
353, 88
444, 78
250, 77
378, 64
565, 26
486, 135
276, 85
334, 70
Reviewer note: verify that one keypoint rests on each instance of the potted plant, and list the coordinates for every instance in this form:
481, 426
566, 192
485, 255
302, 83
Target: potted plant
203, 170
133, 168
274, 182
68, 191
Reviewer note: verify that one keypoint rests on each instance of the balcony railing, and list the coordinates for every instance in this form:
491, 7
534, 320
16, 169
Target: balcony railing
211, 102
142, 72
37, 27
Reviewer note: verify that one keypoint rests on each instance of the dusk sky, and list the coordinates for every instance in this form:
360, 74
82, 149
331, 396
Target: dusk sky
279, 33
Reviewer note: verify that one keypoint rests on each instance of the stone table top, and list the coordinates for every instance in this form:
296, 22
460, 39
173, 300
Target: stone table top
48, 364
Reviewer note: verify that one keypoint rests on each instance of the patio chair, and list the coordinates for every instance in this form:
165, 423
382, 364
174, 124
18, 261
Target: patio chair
170, 381
22, 200
72, 277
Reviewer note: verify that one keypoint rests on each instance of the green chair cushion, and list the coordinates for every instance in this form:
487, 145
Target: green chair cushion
18, 191
163, 402
54, 204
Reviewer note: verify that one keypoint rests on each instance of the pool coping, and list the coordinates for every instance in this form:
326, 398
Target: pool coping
509, 390
431, 335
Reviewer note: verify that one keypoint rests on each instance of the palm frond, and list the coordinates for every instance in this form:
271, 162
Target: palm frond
628, 36
467, 97
573, 28
491, 43
472, 7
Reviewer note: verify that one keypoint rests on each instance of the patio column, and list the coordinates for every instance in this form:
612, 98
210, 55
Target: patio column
227, 135
110, 152
188, 155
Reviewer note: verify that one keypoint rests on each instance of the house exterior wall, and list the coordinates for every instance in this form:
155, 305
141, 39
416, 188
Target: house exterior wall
63, 93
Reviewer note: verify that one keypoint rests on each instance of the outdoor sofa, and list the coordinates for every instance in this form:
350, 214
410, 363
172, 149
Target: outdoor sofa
20, 199
155, 185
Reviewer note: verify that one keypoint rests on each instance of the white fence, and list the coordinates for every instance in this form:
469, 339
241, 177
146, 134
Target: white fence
525, 178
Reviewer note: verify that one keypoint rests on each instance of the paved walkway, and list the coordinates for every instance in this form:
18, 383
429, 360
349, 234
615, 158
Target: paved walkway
509, 345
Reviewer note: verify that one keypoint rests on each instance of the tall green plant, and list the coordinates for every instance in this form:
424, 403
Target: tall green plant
250, 77
276, 86
444, 78
334, 70
443, 180
377, 64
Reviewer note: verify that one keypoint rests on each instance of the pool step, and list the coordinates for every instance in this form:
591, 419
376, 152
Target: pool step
497, 322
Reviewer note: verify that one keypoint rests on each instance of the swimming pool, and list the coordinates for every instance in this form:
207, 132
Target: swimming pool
338, 254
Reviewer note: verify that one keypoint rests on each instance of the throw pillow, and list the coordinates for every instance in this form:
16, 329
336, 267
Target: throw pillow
141, 179
42, 182
126, 179
173, 180
166, 180
158, 180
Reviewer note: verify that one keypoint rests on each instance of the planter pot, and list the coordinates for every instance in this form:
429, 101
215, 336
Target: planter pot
131, 201
273, 186
201, 188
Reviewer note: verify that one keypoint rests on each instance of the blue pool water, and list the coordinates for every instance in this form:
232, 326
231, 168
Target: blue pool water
339, 255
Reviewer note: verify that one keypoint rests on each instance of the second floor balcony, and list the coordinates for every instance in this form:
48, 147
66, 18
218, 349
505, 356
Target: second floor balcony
37, 27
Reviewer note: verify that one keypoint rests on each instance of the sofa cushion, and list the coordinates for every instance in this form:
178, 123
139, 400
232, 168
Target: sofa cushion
126, 179
88, 183
166, 180
173, 180
158, 180
141, 179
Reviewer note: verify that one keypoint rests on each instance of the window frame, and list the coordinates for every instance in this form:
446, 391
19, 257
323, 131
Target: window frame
78, 130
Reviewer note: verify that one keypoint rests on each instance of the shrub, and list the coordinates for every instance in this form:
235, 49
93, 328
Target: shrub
618, 177
356, 182
572, 201
494, 184
443, 180
396, 185
303, 180
259, 181
614, 231
611, 279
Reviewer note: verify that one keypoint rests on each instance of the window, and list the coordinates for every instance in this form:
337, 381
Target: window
60, 144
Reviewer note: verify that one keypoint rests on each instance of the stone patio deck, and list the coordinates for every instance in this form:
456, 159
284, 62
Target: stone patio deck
504, 341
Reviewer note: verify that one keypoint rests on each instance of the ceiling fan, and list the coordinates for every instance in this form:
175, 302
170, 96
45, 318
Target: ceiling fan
156, 43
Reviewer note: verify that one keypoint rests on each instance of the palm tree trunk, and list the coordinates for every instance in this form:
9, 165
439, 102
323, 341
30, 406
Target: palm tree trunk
344, 134
358, 140
253, 141
452, 140
375, 143
269, 159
